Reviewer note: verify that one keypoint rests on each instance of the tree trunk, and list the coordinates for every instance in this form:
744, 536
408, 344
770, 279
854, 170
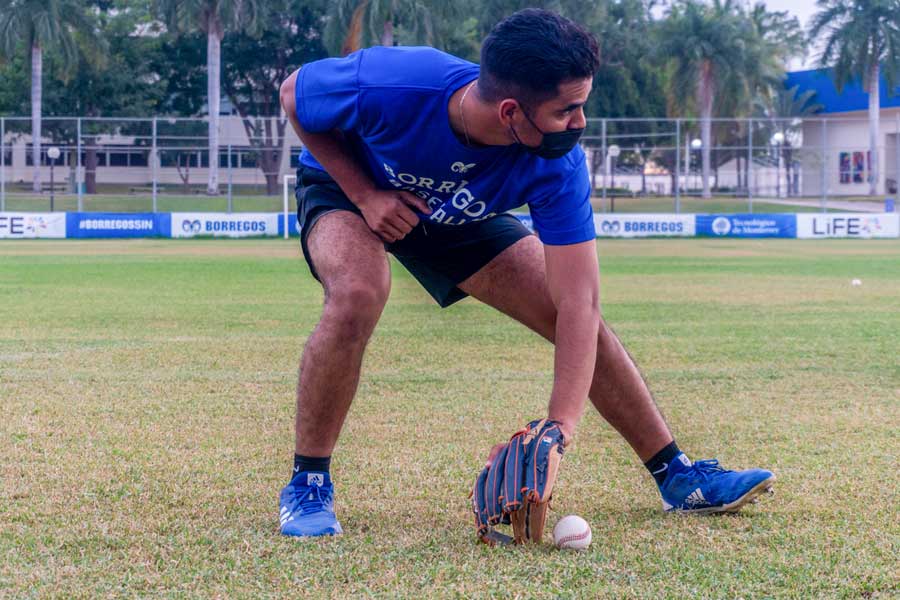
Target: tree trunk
643, 176
90, 166
705, 94
387, 35
36, 84
270, 142
213, 77
737, 162
353, 39
874, 115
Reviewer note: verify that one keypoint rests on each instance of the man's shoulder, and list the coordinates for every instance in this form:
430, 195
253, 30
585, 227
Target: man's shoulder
410, 67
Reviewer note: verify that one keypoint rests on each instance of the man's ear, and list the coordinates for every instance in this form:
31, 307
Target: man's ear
508, 108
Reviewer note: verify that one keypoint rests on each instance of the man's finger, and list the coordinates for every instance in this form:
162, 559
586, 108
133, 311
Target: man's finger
389, 233
415, 201
404, 218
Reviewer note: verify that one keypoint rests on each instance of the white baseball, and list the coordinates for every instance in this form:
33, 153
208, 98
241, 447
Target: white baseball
572, 533
856, 282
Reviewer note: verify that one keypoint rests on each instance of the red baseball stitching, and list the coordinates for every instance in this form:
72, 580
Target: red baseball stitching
573, 537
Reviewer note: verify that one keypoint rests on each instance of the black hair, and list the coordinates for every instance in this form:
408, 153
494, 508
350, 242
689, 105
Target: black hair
528, 54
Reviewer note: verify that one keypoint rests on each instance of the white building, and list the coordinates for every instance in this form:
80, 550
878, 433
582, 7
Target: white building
835, 152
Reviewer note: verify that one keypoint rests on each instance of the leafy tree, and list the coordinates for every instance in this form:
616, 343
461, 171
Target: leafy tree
355, 24
860, 37
213, 18
252, 78
713, 53
783, 113
123, 85
37, 25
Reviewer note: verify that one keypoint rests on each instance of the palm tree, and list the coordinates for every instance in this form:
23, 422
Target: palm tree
860, 36
39, 25
213, 18
703, 54
784, 111
355, 24
716, 58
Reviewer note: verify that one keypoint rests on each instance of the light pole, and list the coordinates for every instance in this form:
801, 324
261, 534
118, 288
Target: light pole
52, 154
611, 153
777, 141
696, 144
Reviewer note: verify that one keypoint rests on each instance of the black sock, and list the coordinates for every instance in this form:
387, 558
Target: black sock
311, 463
659, 464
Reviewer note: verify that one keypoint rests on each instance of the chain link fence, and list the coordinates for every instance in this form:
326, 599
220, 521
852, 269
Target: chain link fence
636, 165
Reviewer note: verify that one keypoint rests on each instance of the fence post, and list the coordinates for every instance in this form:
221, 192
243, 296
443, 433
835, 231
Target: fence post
2, 164
230, 203
153, 161
825, 166
78, 184
749, 170
605, 163
897, 161
677, 166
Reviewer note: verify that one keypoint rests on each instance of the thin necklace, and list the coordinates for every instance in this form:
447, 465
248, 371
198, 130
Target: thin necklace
462, 115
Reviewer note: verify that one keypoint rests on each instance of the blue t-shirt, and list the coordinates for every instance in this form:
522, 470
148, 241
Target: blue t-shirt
392, 105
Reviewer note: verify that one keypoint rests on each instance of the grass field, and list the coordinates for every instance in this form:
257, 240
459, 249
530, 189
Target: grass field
260, 203
147, 399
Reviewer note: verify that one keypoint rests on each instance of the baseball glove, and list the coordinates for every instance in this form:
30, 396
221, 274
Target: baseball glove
516, 487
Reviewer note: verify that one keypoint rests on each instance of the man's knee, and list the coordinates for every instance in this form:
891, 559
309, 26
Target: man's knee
354, 307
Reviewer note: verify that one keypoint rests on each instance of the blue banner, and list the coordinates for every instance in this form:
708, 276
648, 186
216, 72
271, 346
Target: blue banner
118, 225
294, 230
525, 220
748, 225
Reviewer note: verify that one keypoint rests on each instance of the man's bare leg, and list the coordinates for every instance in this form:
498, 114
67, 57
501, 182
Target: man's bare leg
353, 267
515, 284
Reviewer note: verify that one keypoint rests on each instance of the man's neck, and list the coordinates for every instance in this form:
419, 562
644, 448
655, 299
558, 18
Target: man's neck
470, 114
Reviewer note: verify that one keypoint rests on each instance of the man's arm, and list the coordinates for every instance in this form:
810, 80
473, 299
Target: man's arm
387, 213
574, 282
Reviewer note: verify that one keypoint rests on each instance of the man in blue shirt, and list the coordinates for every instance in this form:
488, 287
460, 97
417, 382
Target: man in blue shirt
420, 154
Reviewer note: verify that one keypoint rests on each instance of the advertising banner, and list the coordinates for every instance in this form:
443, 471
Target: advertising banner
189, 225
525, 219
32, 225
748, 226
848, 225
294, 227
117, 225
644, 225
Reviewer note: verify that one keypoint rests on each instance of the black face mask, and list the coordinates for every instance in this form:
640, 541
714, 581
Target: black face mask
553, 145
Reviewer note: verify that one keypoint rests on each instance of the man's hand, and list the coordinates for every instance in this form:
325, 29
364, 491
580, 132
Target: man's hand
389, 212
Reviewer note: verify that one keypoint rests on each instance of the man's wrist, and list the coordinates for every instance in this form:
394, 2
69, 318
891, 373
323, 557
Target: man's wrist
567, 428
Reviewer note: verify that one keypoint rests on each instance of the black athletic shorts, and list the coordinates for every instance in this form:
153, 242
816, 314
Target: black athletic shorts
438, 256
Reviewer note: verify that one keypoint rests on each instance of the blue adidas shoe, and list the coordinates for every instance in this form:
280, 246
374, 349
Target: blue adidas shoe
307, 506
705, 487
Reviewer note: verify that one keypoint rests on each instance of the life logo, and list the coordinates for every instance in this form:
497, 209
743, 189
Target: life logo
721, 225
870, 226
35, 225
610, 227
191, 226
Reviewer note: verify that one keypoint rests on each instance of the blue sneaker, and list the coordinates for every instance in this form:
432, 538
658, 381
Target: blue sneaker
705, 487
307, 506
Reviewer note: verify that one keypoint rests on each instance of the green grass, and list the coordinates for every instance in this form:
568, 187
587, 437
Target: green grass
147, 402
688, 204
248, 202
144, 203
